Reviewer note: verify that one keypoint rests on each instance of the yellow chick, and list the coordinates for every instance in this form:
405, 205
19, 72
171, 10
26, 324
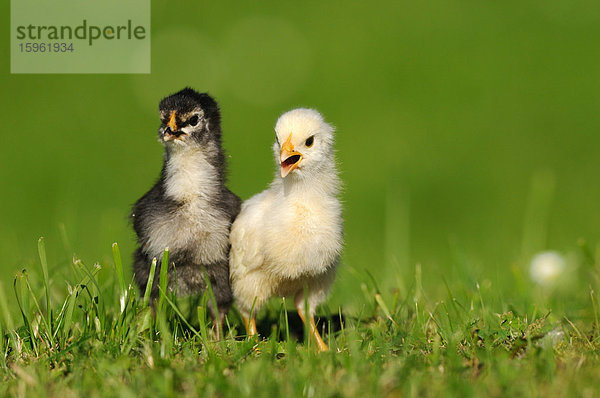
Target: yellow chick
290, 236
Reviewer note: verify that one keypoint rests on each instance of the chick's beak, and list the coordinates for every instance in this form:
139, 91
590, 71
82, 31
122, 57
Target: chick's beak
171, 128
289, 157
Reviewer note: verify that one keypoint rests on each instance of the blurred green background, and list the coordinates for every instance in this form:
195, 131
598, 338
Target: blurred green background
467, 132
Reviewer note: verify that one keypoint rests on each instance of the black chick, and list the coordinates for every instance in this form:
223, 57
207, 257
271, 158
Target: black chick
189, 210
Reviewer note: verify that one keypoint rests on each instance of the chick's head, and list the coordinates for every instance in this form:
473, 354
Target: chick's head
304, 142
188, 118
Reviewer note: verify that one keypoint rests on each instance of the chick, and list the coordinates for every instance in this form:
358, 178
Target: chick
290, 236
189, 210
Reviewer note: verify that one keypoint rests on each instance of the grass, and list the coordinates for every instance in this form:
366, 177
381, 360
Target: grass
100, 338
465, 142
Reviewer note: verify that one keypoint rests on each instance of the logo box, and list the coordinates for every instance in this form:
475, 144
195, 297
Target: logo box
80, 36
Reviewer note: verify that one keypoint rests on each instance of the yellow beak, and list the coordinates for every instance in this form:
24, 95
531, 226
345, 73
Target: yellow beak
172, 125
171, 128
289, 157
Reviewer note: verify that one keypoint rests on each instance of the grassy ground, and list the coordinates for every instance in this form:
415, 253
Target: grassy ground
466, 141
100, 339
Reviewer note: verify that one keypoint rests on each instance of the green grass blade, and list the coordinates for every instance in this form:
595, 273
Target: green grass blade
120, 275
178, 312
286, 320
44, 263
8, 321
385, 309
201, 309
595, 310
342, 329
213, 301
2, 347
452, 300
150, 283
7, 318
229, 327
202, 318
37, 305
166, 338
163, 281
60, 318
91, 276
3, 343
23, 303
307, 339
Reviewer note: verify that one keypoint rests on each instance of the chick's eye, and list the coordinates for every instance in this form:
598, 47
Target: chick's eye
193, 120
310, 141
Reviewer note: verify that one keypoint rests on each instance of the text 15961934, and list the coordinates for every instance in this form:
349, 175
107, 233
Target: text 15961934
46, 47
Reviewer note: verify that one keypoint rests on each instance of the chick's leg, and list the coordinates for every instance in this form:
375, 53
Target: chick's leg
218, 316
250, 324
314, 332
219, 325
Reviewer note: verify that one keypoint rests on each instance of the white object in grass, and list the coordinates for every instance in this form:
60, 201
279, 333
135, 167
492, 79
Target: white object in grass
546, 268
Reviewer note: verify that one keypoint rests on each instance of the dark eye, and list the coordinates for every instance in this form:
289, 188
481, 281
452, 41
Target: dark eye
193, 120
310, 141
